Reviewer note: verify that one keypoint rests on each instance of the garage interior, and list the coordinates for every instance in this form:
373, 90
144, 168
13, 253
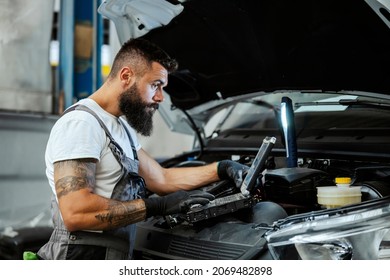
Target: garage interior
56, 52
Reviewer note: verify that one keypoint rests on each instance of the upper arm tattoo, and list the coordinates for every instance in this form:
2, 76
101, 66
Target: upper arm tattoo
80, 174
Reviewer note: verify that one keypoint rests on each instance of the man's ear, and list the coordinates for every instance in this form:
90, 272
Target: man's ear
126, 75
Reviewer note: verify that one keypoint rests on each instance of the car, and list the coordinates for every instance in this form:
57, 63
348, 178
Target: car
297, 90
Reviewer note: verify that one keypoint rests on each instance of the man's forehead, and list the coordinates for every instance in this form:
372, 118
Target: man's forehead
158, 72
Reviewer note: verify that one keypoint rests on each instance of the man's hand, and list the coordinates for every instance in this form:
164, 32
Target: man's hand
229, 169
174, 203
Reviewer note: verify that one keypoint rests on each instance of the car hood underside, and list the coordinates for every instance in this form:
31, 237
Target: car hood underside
228, 47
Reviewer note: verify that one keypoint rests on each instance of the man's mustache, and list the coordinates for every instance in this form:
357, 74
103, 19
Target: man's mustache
153, 106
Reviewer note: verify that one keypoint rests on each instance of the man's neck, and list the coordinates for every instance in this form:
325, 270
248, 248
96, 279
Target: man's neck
106, 100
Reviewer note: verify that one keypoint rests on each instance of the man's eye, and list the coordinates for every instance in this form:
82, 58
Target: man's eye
154, 86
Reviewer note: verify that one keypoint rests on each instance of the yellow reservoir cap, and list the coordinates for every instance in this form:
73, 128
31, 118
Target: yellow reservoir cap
343, 180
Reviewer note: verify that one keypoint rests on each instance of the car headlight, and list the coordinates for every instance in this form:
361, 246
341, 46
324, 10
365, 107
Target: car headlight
360, 231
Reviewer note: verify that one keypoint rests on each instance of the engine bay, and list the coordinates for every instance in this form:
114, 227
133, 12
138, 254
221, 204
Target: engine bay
283, 183
240, 225
295, 188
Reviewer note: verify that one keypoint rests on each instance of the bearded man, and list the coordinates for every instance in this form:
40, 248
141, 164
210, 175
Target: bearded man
98, 172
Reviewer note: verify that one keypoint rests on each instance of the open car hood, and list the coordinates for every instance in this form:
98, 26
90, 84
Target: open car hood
228, 48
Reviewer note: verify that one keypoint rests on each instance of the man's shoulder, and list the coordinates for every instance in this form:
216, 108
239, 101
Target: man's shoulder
77, 115
81, 111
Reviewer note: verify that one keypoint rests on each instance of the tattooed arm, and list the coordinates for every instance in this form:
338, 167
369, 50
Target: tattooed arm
81, 209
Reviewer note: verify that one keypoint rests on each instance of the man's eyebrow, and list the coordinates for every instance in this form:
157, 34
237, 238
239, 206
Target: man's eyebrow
159, 81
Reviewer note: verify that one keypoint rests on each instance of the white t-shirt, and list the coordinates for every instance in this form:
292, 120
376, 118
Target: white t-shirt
78, 134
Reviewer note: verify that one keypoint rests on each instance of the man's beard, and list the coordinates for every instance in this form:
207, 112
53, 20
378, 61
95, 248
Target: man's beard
139, 114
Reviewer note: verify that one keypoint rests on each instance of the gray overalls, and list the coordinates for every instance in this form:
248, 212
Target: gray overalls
113, 244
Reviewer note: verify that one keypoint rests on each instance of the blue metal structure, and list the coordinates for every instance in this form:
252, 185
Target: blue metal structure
81, 37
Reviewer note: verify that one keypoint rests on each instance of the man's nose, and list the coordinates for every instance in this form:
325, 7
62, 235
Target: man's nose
159, 96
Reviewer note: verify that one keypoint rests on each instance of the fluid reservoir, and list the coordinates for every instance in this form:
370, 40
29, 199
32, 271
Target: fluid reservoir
341, 194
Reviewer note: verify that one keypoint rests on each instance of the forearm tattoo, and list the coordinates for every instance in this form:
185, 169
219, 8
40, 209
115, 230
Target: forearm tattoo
122, 213
117, 214
84, 176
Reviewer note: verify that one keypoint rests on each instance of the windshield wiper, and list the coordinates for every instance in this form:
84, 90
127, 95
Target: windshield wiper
348, 102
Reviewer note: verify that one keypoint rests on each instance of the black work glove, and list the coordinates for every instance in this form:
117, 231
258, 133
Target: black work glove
174, 203
229, 169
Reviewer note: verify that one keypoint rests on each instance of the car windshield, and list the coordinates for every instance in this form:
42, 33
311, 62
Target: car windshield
311, 111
